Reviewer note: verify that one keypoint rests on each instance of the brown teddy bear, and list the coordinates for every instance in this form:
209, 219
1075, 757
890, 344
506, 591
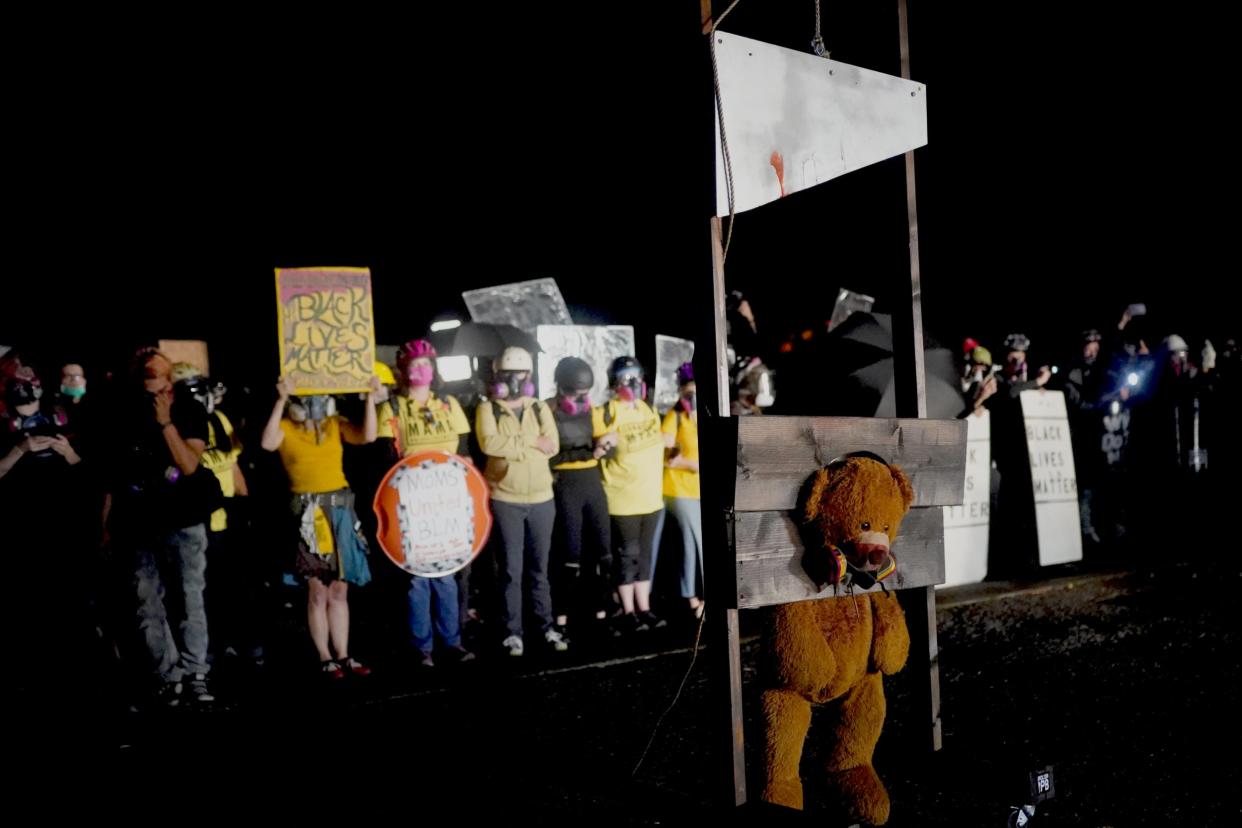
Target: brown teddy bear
833, 650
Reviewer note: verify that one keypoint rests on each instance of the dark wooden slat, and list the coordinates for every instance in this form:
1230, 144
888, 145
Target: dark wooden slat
776, 455
769, 557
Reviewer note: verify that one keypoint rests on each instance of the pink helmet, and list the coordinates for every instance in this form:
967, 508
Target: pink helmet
414, 349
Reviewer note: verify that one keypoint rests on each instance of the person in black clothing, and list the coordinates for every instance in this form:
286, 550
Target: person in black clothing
158, 499
1083, 387
582, 543
1012, 540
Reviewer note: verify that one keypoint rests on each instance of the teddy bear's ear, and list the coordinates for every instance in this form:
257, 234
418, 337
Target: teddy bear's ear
903, 486
818, 487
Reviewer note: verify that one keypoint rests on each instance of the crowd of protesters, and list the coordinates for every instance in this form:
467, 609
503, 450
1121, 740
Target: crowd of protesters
1148, 418
170, 525
174, 525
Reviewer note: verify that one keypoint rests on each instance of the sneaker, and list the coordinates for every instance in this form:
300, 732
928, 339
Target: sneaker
332, 670
198, 691
425, 660
168, 694
556, 640
626, 624
459, 654
514, 645
649, 620
355, 666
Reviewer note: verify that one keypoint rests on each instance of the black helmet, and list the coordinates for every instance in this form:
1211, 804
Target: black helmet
574, 374
621, 364
21, 391
1091, 335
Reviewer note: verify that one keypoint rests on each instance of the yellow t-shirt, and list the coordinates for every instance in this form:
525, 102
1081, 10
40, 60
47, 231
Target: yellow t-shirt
685, 430
413, 431
221, 464
315, 465
633, 477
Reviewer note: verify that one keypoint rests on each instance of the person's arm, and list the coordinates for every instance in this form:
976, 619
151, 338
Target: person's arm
492, 442
548, 441
185, 451
370, 420
239, 482
273, 435
61, 445
28, 445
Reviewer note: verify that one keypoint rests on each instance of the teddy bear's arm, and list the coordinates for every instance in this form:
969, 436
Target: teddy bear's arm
804, 661
890, 643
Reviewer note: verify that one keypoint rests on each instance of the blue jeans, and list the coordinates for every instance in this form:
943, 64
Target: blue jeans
174, 563
688, 515
447, 620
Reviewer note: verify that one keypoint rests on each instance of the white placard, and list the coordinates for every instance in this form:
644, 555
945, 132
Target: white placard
795, 120
1052, 477
966, 526
671, 353
599, 345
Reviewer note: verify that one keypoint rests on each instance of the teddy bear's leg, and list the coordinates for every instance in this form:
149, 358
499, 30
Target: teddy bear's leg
787, 716
852, 781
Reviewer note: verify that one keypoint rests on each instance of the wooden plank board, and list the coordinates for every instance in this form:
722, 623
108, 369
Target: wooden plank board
777, 455
769, 557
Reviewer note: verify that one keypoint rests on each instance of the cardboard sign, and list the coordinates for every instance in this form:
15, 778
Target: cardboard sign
1052, 477
326, 328
433, 513
966, 526
525, 305
193, 351
599, 345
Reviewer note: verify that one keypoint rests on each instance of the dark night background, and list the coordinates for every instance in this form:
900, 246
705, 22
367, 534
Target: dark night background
1078, 161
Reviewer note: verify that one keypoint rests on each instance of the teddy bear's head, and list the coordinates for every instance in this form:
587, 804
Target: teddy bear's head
853, 510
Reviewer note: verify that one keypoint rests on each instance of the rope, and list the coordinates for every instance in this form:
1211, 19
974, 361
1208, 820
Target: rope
724, 141
698, 636
817, 42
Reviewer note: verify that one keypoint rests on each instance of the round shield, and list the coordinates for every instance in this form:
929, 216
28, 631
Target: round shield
433, 513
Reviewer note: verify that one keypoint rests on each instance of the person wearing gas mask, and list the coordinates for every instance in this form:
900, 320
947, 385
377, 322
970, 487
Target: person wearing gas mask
518, 435
631, 446
422, 421
582, 554
159, 499
753, 387
310, 437
681, 484
233, 595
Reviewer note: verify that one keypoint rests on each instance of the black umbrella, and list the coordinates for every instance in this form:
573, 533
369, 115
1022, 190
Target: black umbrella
480, 339
859, 369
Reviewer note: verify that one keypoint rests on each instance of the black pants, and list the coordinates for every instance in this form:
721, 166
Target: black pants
582, 548
634, 539
526, 537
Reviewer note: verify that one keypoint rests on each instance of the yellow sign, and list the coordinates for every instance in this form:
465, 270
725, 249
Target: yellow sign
326, 327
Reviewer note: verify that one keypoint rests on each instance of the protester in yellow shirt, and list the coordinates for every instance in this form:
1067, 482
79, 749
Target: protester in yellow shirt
422, 422
629, 442
518, 435
681, 485
331, 554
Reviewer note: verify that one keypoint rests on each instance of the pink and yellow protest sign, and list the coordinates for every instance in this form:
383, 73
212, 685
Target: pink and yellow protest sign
326, 328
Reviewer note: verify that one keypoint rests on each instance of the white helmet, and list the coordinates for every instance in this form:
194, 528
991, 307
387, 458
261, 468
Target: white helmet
514, 359
1175, 343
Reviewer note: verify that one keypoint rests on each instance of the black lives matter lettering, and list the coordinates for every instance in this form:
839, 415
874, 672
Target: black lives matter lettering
328, 335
